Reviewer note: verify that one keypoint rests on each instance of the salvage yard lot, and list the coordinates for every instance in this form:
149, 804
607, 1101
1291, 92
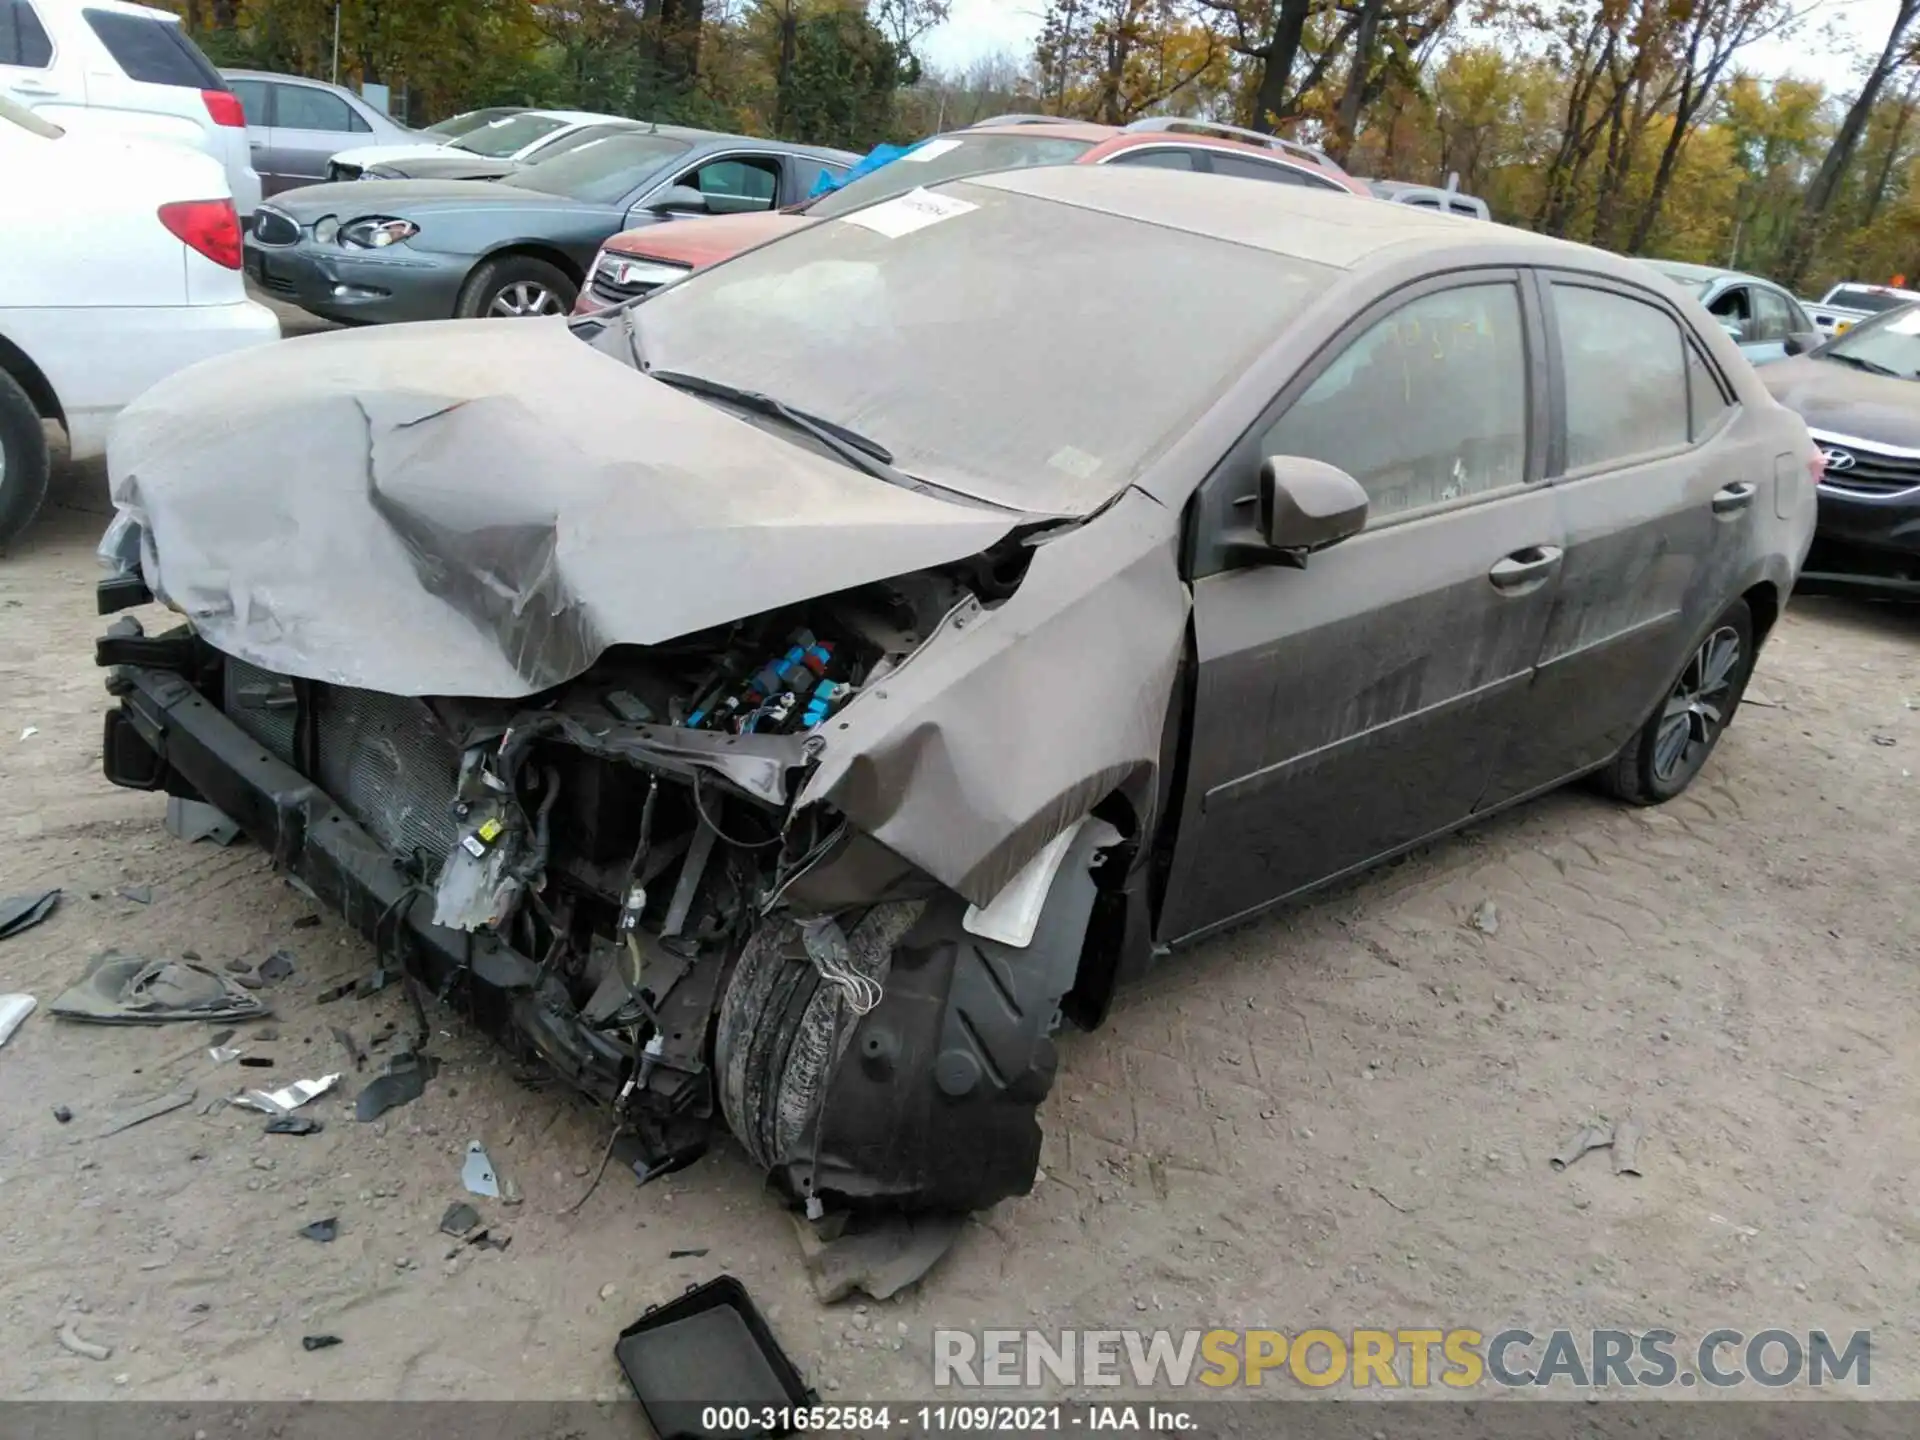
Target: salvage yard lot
1341, 1116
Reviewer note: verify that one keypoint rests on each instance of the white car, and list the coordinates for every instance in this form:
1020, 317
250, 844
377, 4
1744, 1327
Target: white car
91, 65
518, 137
119, 264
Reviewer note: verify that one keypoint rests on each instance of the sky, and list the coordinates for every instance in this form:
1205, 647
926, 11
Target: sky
1826, 48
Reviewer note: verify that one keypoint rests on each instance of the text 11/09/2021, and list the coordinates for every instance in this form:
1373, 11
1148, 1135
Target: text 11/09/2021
920, 1419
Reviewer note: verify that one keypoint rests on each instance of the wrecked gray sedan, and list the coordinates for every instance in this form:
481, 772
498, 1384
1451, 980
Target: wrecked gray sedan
786, 701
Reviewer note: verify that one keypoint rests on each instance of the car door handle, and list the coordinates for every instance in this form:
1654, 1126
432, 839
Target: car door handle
33, 87
1524, 569
1735, 497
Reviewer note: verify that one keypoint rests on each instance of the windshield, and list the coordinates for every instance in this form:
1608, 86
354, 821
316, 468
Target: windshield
604, 169
947, 157
993, 343
454, 126
1862, 298
1888, 344
498, 139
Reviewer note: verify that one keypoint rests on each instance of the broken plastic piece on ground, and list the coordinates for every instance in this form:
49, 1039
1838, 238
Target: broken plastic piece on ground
71, 1339
287, 1098
477, 1173
485, 1241
128, 990
1626, 1147
221, 1054
711, 1343
459, 1219
1589, 1137
294, 1125
277, 966
321, 1230
151, 1110
192, 820
354, 1050
256, 1062
336, 992
22, 912
404, 1081
139, 894
879, 1255
318, 1342
686, 1254
14, 1010
62, 1114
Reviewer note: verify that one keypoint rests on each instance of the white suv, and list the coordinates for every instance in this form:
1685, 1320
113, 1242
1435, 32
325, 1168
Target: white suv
90, 65
119, 264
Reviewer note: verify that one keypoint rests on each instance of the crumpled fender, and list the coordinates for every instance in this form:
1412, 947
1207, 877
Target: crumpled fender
1010, 724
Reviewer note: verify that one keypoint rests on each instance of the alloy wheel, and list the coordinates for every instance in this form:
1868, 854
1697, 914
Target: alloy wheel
525, 297
1697, 709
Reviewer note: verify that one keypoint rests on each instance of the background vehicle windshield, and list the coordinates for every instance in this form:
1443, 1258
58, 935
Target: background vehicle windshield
502, 138
948, 157
1890, 342
603, 170
454, 126
1690, 279
1848, 298
998, 351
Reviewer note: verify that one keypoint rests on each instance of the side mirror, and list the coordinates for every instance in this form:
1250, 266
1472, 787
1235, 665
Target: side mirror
678, 200
1307, 505
1801, 344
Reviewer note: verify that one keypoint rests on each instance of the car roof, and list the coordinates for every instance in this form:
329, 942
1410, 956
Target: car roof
1687, 270
1320, 226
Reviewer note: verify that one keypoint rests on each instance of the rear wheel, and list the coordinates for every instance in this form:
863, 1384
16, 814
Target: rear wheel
516, 287
1670, 749
23, 459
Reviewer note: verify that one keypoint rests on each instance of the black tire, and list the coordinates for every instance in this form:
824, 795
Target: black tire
24, 471
495, 288
1686, 725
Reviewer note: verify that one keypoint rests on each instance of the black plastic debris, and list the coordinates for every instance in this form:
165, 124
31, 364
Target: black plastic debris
139, 894
318, 1342
322, 1230
686, 1254
294, 1125
256, 1062
459, 1219
62, 1114
307, 922
709, 1347
276, 967
20, 913
404, 1082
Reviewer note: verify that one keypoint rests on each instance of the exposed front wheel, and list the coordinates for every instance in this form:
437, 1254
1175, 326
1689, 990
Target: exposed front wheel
516, 287
1669, 750
23, 459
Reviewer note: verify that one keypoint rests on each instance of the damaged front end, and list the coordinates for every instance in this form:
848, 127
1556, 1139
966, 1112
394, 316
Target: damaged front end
614, 876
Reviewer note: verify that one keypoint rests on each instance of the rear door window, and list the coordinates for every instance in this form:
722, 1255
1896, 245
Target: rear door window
1624, 365
254, 104
1773, 321
1246, 167
300, 107
1157, 159
23, 39
735, 186
154, 51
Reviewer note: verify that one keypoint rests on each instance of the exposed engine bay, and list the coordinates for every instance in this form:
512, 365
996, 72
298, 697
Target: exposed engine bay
701, 950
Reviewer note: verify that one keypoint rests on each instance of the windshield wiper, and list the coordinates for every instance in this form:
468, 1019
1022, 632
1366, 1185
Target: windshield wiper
850, 445
1871, 366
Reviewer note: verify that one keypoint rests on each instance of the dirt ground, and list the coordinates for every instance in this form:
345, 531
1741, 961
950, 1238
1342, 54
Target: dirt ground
1341, 1116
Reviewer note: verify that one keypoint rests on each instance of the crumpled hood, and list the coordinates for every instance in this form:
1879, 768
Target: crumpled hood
350, 198
1832, 396
482, 507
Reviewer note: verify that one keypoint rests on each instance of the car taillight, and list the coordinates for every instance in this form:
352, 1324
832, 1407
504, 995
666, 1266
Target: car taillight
224, 108
209, 226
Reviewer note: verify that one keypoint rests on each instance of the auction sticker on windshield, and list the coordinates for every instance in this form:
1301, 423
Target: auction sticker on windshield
907, 213
931, 150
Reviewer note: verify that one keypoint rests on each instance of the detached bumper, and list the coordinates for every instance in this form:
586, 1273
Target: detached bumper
397, 284
165, 735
